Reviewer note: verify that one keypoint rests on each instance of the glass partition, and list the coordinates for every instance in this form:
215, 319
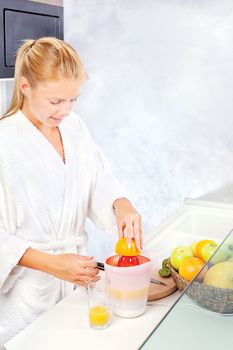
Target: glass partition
202, 318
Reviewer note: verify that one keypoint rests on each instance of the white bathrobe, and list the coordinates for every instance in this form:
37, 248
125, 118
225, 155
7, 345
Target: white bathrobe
44, 204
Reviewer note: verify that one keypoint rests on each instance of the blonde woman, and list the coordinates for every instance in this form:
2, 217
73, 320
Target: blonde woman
52, 177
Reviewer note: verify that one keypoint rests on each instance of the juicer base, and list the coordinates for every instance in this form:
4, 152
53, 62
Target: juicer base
129, 313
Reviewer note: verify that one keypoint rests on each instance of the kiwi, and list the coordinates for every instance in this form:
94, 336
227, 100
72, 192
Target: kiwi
164, 272
165, 263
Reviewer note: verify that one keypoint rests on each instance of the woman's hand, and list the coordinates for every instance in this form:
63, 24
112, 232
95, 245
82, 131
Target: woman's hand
78, 269
74, 268
128, 221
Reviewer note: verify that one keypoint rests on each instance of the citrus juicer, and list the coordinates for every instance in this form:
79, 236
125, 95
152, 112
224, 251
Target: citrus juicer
128, 282
128, 255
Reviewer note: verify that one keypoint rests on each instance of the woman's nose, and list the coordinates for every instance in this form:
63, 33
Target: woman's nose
65, 108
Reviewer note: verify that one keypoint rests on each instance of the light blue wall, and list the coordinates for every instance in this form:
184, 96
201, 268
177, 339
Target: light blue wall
159, 98
6, 88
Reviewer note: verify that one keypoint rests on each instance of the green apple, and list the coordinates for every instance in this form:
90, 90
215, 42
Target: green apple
179, 254
229, 243
208, 250
222, 254
220, 275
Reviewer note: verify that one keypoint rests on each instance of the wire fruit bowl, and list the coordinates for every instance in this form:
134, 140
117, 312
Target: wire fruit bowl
216, 299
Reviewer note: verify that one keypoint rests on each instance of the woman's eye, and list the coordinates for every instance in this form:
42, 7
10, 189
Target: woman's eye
54, 103
57, 102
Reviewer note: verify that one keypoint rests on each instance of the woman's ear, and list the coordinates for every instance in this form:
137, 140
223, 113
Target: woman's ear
24, 86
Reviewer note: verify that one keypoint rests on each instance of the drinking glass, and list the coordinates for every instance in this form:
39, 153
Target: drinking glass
98, 303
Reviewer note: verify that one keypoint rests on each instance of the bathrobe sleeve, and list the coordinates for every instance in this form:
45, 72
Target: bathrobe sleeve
12, 247
105, 188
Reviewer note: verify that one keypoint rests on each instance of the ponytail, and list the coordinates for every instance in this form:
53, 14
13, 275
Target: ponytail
44, 59
17, 98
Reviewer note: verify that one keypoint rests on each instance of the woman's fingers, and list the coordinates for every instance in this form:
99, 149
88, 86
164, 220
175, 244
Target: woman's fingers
137, 234
84, 280
86, 262
128, 222
81, 283
121, 228
73, 267
129, 232
89, 271
133, 230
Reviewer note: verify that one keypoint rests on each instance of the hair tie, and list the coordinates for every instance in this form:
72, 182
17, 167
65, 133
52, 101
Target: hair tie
33, 43
29, 47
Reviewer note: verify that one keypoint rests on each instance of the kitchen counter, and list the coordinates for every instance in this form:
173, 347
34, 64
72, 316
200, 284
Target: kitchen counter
65, 326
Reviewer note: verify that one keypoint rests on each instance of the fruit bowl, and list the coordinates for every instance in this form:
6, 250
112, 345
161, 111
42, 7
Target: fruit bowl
216, 299
219, 300
179, 281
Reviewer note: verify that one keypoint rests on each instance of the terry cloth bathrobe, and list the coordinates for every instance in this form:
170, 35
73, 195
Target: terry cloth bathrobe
43, 205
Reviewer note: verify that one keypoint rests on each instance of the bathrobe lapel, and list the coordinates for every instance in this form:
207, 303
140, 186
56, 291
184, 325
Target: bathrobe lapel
41, 175
76, 181
69, 211
67, 185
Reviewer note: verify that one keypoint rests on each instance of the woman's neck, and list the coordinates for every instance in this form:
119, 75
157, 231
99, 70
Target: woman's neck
37, 123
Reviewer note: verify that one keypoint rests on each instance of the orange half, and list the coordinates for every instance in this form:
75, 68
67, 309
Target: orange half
123, 249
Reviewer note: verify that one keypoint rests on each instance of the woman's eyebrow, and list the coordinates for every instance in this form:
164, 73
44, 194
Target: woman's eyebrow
61, 99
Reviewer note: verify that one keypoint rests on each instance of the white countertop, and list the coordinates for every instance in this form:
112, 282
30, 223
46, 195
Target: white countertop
65, 326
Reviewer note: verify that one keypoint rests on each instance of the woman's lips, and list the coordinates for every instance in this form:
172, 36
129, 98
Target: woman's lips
57, 119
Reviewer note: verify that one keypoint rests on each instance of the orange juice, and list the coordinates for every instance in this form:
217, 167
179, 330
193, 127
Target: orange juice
98, 315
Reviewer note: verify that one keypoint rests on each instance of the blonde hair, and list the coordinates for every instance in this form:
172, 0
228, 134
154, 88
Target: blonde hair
41, 60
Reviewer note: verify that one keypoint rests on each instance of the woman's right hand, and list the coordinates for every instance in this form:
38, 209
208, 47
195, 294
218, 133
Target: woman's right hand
74, 268
78, 269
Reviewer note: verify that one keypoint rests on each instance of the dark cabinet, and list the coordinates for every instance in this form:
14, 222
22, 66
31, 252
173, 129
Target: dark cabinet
23, 19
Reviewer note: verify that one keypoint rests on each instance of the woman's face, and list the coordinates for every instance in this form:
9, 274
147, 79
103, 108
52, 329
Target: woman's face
49, 102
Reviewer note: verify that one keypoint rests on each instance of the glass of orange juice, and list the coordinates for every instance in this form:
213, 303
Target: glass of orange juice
98, 302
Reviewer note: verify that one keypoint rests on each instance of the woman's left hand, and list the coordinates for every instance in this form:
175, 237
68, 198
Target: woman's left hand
128, 221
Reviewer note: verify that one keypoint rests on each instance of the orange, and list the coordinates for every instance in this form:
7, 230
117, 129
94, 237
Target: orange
190, 267
200, 245
123, 249
193, 248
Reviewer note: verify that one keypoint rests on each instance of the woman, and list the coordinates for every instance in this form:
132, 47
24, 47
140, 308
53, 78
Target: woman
52, 177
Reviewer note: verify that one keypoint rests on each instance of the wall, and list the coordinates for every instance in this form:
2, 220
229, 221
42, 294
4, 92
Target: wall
159, 98
6, 87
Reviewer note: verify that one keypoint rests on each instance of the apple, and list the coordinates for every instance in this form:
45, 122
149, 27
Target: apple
222, 254
208, 250
220, 275
179, 254
229, 243
200, 245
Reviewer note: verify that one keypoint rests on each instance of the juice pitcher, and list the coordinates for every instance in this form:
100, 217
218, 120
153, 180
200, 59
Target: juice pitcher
128, 286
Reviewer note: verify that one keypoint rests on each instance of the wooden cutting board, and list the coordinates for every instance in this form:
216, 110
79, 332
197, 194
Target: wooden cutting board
157, 291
